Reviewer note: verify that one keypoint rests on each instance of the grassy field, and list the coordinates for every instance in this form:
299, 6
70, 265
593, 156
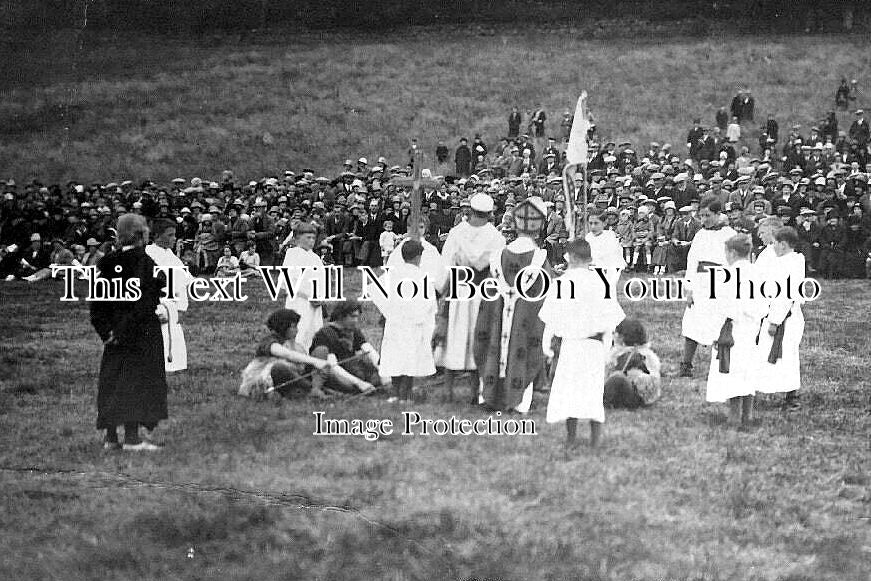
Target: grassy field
84, 107
244, 491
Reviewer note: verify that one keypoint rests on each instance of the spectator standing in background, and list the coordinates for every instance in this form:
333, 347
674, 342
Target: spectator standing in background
859, 133
772, 129
514, 121
442, 152
733, 131
722, 118
538, 119
694, 139
566, 125
845, 94
743, 106
829, 127
463, 158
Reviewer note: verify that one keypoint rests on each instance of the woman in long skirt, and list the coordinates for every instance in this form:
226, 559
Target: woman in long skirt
132, 390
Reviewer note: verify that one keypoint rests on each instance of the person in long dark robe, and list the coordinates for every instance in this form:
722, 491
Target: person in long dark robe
132, 389
509, 364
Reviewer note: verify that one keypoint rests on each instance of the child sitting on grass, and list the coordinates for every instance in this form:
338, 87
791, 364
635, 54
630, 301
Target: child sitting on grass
580, 317
632, 369
280, 364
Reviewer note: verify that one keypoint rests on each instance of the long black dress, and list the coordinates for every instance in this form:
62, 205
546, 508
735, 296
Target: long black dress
132, 387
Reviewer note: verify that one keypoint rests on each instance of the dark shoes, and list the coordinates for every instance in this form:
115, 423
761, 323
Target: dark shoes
791, 405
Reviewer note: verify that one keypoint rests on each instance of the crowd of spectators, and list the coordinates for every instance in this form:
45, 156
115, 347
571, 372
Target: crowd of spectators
816, 181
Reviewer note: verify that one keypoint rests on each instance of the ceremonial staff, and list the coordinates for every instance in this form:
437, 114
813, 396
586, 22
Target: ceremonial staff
576, 156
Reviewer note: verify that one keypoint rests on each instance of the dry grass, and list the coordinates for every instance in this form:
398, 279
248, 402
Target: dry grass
91, 109
674, 494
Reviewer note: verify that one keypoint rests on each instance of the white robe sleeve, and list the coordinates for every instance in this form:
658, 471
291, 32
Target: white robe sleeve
788, 269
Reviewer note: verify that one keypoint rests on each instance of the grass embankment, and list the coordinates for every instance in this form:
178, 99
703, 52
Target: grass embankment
85, 108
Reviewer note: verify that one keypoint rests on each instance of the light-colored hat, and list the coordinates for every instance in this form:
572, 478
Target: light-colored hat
92, 242
35, 237
481, 202
668, 205
205, 217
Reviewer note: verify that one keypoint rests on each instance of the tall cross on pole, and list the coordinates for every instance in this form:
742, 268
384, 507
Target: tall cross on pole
416, 182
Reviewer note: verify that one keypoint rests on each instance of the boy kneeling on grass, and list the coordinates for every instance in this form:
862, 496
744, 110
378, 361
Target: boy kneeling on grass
579, 318
282, 367
633, 369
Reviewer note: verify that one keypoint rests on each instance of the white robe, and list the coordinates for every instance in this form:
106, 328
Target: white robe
765, 258
608, 255
406, 347
702, 321
311, 318
466, 245
745, 314
175, 355
431, 262
578, 385
785, 375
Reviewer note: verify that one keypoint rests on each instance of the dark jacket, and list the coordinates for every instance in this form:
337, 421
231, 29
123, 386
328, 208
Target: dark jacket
132, 385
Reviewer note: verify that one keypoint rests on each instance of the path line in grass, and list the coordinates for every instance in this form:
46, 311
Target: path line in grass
283, 499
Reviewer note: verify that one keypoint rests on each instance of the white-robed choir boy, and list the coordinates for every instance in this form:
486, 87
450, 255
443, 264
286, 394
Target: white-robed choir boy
175, 356
607, 254
701, 320
731, 377
605, 249
580, 316
782, 328
303, 301
406, 348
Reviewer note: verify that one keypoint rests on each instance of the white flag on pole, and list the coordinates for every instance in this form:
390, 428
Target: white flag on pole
576, 152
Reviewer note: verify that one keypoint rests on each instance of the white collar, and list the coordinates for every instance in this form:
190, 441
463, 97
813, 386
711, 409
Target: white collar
522, 244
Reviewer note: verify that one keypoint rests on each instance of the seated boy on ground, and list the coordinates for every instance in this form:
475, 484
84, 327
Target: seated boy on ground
341, 338
280, 365
632, 368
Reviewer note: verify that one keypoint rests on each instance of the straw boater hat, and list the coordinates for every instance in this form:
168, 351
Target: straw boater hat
529, 215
